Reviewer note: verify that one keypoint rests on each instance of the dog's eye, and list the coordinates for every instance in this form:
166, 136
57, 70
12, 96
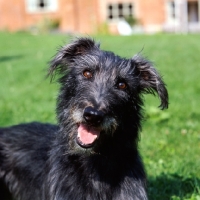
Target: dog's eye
121, 85
87, 74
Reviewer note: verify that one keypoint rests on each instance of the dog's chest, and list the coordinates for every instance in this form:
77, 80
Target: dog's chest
101, 182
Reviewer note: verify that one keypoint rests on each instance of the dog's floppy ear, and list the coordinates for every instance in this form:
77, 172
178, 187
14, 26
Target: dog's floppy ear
149, 80
67, 53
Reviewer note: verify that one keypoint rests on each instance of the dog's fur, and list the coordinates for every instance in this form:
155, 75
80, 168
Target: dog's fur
100, 94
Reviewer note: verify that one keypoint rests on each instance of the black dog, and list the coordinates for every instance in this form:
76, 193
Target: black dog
92, 154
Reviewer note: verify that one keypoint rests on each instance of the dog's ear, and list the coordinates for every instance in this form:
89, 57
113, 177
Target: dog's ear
149, 80
69, 52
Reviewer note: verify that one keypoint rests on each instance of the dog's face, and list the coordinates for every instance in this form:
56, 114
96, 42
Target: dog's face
100, 97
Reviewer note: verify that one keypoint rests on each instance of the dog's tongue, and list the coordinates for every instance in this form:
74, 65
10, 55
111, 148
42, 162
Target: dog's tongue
87, 134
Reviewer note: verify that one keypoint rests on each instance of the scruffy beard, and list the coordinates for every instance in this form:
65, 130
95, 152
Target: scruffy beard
76, 122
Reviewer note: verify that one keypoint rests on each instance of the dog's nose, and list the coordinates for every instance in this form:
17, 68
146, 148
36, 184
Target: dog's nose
93, 116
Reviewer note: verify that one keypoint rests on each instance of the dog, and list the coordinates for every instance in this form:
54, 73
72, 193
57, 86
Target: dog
92, 154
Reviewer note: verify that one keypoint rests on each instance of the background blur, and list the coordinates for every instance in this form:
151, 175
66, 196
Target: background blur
166, 32
92, 16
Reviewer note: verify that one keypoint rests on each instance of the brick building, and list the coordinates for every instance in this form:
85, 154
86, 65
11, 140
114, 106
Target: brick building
87, 16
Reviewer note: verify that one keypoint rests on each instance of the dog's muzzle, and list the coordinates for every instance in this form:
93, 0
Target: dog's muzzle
89, 130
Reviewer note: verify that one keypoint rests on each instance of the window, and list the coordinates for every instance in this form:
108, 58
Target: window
193, 12
172, 9
34, 6
171, 12
119, 11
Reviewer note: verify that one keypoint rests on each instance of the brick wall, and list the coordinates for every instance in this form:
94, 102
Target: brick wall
14, 15
82, 16
79, 15
152, 14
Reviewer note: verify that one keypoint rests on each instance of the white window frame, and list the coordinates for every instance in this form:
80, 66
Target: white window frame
170, 11
115, 10
32, 6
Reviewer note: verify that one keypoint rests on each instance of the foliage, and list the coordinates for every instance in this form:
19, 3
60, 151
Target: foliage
131, 20
102, 29
170, 140
46, 25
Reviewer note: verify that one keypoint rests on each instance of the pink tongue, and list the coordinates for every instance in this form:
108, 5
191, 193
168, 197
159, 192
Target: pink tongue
86, 134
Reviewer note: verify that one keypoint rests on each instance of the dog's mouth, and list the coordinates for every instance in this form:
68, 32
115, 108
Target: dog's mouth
87, 135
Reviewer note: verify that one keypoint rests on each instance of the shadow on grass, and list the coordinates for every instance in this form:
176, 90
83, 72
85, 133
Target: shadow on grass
8, 58
173, 186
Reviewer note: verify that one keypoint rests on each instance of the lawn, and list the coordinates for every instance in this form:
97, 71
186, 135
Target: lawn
170, 139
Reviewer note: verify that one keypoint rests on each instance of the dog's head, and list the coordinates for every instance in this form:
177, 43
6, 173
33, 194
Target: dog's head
101, 93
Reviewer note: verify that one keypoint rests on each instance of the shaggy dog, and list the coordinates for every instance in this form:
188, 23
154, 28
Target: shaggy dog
93, 152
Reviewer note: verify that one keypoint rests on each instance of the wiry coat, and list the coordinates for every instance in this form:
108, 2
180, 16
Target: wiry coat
42, 161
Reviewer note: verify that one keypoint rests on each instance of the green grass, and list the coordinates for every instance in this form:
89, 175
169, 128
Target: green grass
170, 140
